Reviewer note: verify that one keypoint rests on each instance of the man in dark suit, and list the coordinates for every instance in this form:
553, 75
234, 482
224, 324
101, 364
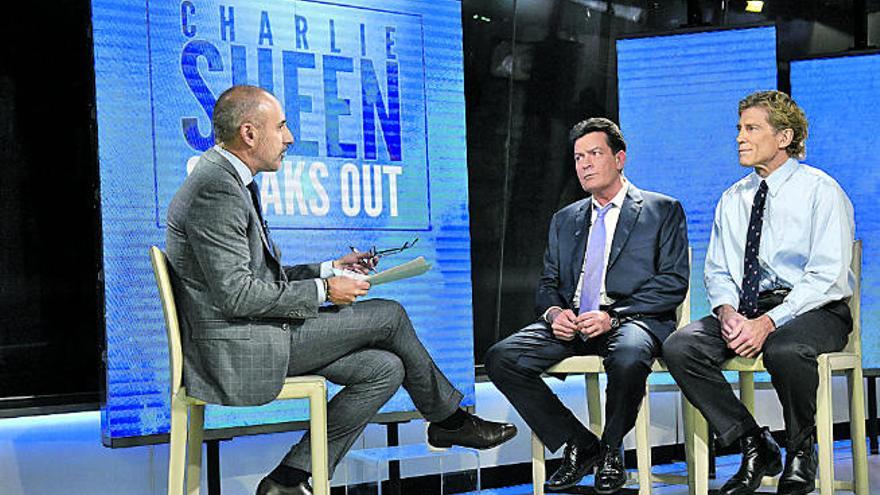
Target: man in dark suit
615, 269
247, 321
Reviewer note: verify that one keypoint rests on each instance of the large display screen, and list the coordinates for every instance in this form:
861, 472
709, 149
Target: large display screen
678, 112
373, 94
841, 97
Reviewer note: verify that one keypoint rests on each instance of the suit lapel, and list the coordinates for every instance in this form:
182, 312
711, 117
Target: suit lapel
223, 163
629, 213
579, 245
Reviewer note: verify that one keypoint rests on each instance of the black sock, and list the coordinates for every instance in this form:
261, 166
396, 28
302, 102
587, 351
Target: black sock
288, 476
455, 421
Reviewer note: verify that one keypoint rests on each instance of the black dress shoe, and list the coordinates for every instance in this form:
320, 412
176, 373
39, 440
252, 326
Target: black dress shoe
760, 458
270, 487
799, 476
610, 475
579, 460
475, 433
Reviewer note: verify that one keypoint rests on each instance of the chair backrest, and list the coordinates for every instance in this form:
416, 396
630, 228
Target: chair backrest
683, 311
166, 294
854, 344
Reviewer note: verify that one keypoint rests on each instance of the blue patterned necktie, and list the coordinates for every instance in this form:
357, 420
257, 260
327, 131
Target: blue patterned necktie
748, 300
591, 282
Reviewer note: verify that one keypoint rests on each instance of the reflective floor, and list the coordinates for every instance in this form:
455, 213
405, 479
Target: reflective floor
725, 466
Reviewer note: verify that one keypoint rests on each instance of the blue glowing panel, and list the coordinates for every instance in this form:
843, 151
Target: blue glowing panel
841, 97
678, 112
374, 97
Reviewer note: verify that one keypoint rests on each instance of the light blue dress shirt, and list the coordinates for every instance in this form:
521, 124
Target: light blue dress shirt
246, 176
806, 241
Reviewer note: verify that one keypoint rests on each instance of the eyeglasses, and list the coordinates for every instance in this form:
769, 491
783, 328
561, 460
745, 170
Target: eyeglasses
379, 253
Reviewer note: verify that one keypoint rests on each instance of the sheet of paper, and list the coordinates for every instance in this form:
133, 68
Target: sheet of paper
409, 269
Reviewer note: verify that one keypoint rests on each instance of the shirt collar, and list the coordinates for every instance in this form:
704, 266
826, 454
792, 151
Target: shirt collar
779, 176
618, 198
243, 172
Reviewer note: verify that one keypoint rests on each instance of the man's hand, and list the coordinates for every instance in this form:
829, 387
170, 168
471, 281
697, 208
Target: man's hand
344, 290
564, 324
360, 262
730, 320
749, 337
593, 323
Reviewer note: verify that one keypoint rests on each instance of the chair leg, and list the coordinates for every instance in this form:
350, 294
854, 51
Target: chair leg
539, 473
177, 447
318, 434
594, 403
643, 445
747, 390
194, 449
824, 431
696, 442
857, 430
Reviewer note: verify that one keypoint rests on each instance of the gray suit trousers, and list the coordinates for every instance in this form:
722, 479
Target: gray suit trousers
371, 348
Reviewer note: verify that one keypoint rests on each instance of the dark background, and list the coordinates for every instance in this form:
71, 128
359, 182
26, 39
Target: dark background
532, 69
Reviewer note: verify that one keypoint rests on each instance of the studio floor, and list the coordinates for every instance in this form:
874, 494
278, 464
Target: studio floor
726, 466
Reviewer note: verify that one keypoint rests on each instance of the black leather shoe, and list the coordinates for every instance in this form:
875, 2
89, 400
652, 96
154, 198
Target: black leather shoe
579, 460
760, 458
799, 476
269, 487
610, 475
475, 433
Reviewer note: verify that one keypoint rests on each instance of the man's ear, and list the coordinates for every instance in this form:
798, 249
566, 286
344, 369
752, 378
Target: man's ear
248, 134
620, 158
784, 138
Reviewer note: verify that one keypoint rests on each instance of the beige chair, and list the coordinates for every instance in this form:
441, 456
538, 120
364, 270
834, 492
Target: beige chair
591, 367
185, 459
848, 361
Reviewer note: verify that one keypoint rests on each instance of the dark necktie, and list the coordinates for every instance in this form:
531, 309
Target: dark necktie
255, 198
748, 301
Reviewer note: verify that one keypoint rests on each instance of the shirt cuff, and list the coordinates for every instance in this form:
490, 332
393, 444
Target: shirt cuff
721, 301
326, 270
780, 315
544, 316
322, 296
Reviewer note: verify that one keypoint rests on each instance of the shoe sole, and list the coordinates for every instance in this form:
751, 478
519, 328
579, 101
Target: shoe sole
610, 491
445, 447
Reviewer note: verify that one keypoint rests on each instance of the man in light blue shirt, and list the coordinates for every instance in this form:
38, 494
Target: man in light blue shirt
777, 277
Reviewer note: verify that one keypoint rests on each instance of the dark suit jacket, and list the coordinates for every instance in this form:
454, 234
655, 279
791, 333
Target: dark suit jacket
235, 300
648, 269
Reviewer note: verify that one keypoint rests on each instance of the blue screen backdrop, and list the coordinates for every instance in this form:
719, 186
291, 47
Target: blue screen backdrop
678, 112
841, 97
374, 98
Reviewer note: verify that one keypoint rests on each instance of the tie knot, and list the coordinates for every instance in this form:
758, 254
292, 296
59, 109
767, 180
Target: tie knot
763, 186
602, 210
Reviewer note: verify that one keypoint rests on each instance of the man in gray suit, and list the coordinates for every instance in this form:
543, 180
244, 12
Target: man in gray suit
248, 321
615, 269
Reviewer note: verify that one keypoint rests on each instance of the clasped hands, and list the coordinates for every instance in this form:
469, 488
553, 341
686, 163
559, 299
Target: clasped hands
565, 324
344, 290
744, 336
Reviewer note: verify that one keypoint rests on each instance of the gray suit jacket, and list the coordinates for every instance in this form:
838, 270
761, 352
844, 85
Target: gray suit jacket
236, 302
648, 270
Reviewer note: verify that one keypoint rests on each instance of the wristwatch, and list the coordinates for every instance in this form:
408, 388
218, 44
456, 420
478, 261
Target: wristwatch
615, 320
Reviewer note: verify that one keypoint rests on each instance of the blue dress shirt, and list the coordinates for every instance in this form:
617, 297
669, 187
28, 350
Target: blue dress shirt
806, 240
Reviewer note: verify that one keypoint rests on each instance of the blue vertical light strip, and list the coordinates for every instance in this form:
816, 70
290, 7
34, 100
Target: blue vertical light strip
678, 112
841, 97
158, 67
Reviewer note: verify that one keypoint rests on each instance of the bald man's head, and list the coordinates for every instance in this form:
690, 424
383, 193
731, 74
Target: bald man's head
234, 107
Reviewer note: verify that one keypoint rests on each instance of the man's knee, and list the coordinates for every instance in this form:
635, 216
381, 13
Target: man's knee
630, 356
500, 360
780, 354
388, 370
679, 348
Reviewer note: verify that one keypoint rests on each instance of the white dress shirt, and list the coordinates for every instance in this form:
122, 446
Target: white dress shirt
806, 241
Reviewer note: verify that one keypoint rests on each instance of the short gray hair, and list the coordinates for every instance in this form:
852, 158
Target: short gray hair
234, 107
